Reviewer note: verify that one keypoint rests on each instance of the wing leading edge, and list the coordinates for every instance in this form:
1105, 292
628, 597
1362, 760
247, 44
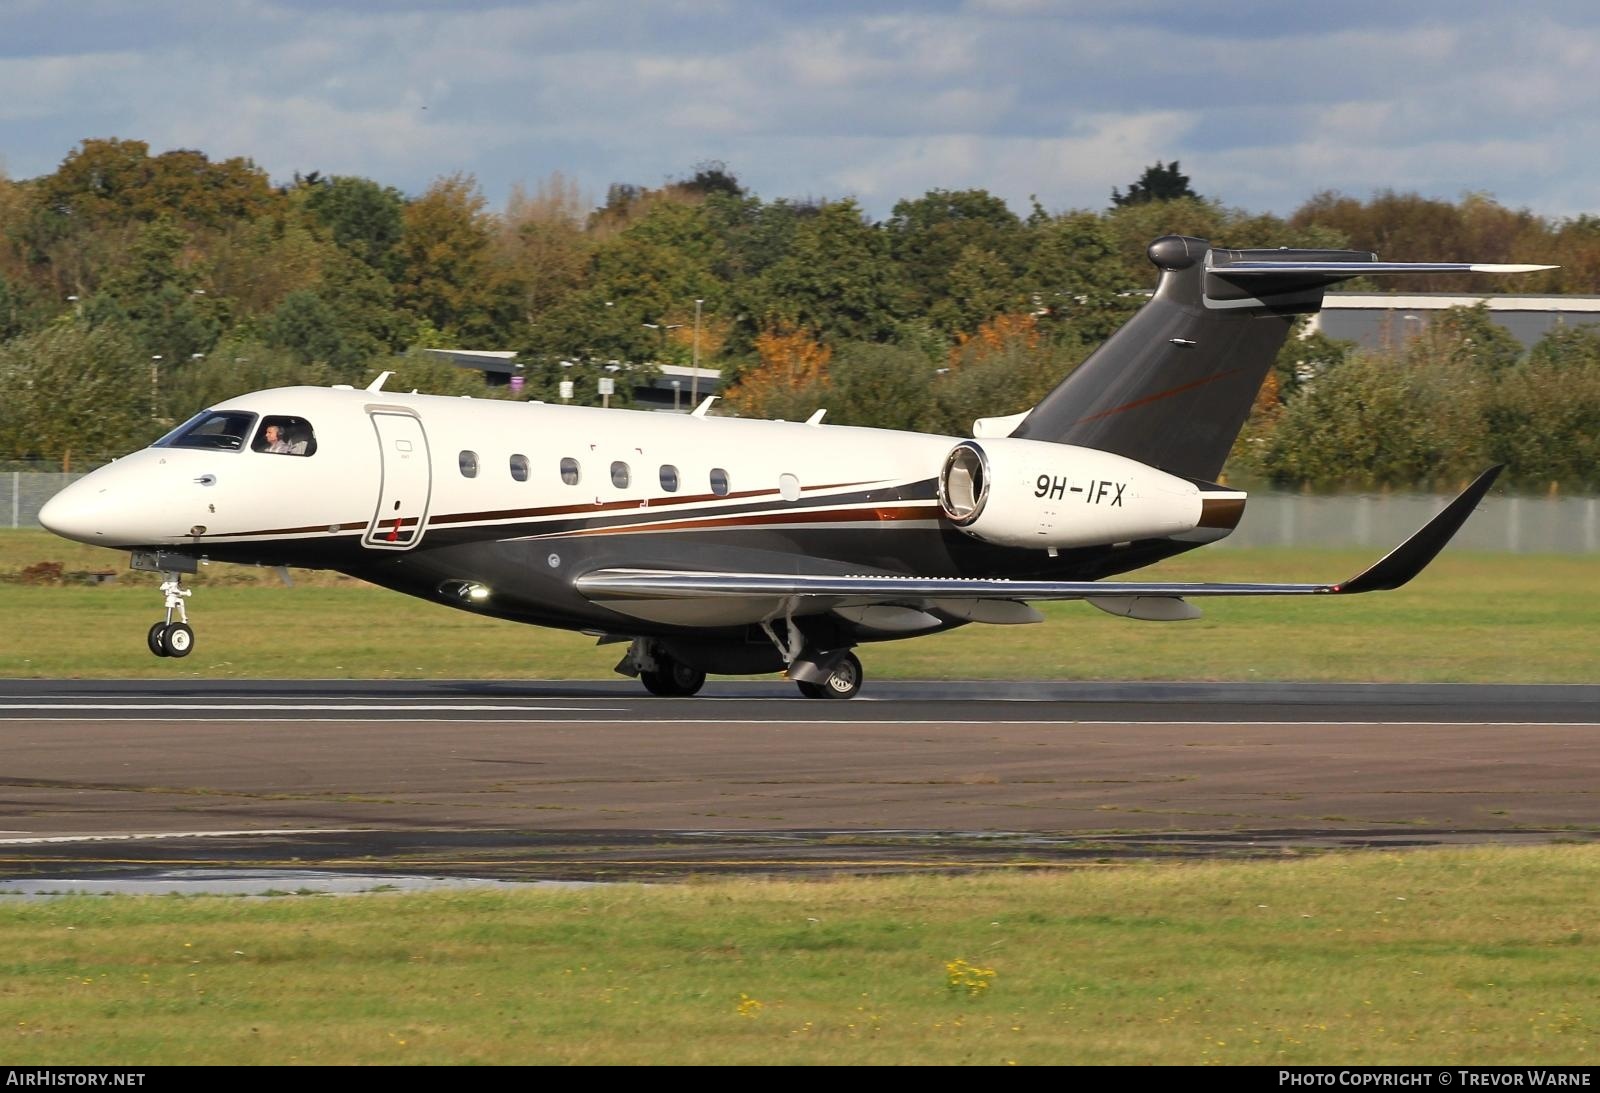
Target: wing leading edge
1391, 571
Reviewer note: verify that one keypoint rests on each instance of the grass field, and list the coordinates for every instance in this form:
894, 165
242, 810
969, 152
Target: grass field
1441, 957
1468, 618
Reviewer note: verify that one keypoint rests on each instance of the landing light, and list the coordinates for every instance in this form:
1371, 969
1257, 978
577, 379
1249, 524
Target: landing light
466, 591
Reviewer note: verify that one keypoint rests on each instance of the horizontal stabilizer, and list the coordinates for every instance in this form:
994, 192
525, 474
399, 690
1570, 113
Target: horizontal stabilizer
1364, 269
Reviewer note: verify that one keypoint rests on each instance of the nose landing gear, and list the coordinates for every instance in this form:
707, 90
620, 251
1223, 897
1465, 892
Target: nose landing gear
167, 638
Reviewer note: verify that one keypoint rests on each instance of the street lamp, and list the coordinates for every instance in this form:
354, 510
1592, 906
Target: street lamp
663, 328
694, 375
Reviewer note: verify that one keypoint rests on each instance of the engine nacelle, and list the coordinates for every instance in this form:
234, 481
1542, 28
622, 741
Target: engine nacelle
1030, 493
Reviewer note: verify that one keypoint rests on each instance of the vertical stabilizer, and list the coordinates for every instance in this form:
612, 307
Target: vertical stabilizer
1174, 385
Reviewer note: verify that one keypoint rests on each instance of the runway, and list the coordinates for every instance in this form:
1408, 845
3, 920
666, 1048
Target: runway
583, 781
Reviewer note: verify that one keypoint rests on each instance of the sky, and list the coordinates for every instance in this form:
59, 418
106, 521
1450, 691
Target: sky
1263, 104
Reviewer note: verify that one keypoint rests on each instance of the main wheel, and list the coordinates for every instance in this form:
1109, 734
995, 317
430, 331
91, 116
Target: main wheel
153, 639
673, 679
178, 640
843, 682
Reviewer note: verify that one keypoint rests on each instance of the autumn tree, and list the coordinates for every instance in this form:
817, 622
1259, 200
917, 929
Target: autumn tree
541, 241
444, 260
104, 182
790, 380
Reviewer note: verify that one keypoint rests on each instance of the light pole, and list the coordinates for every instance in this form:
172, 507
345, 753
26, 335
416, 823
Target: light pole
663, 328
694, 374
155, 374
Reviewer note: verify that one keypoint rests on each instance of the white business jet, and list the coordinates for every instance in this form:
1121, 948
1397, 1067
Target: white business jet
738, 546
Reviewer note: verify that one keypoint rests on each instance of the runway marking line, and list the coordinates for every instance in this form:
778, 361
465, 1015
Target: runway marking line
43, 840
48, 705
1231, 723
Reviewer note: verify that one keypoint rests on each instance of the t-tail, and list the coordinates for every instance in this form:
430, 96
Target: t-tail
1173, 386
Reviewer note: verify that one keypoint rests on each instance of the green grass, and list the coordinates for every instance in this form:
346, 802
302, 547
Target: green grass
1446, 957
1468, 618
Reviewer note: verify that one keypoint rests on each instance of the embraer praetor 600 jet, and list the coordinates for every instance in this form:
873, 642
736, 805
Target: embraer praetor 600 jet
738, 546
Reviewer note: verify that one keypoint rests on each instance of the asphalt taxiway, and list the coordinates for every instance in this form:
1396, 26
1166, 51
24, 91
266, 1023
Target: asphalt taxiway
551, 780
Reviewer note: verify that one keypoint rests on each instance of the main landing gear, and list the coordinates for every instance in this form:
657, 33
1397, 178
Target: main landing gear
661, 673
818, 674
843, 681
167, 638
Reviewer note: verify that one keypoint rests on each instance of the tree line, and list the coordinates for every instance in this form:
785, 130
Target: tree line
136, 288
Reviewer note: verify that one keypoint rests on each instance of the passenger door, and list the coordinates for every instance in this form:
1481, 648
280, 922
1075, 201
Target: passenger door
406, 482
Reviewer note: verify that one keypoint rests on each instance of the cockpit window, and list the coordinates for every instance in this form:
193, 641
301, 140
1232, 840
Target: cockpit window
218, 430
285, 436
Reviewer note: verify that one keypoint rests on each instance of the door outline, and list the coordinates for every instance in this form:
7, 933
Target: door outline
397, 524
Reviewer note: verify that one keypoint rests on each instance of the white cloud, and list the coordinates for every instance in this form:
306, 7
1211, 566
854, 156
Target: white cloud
1263, 103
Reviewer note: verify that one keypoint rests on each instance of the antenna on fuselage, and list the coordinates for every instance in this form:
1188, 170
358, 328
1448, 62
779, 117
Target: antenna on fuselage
377, 385
700, 411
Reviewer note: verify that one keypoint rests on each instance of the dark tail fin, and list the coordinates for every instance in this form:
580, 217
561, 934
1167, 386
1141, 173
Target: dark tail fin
1174, 385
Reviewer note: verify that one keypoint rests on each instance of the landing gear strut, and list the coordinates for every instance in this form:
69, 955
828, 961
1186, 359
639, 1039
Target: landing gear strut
819, 673
167, 638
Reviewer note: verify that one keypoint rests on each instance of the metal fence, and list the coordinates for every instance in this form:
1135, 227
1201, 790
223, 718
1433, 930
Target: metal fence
1508, 524
23, 494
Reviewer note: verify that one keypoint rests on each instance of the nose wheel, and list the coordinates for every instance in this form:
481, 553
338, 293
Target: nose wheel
168, 638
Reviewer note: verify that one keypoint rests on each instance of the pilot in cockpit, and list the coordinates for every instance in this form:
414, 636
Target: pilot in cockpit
277, 442
285, 436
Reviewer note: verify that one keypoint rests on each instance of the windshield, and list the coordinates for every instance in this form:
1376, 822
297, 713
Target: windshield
219, 430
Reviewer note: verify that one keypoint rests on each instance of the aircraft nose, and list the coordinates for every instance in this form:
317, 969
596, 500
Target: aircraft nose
75, 512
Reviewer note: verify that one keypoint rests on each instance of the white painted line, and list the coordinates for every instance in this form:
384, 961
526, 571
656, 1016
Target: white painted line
44, 839
799, 722
303, 707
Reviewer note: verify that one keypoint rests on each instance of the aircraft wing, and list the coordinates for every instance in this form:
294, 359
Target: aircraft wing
613, 586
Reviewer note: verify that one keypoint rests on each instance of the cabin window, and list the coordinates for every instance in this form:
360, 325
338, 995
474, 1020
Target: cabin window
519, 468
285, 436
719, 481
669, 478
569, 471
619, 475
468, 462
217, 430
789, 487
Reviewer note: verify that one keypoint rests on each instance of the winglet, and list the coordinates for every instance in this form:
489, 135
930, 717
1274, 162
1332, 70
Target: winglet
1412, 556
